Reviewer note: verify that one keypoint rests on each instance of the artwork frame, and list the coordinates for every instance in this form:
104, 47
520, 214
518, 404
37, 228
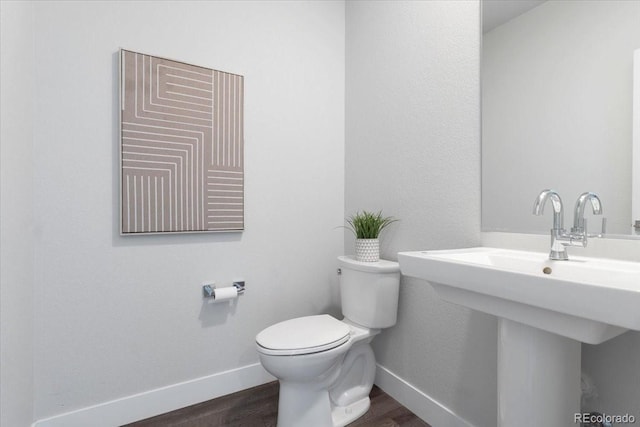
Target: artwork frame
181, 147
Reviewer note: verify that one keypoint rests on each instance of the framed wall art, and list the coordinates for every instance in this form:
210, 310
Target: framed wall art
181, 147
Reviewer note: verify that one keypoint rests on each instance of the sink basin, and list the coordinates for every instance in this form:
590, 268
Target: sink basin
545, 309
587, 299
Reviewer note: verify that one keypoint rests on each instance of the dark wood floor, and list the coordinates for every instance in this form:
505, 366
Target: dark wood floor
258, 407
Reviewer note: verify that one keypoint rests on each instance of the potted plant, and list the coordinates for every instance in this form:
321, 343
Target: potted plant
367, 227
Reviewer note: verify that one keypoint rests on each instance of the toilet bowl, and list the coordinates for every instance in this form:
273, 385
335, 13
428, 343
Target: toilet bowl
326, 366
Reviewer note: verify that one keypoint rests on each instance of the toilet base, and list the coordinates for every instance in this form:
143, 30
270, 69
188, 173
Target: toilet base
332, 394
343, 415
302, 405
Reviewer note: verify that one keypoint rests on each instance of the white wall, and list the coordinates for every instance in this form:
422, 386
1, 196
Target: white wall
16, 214
557, 108
122, 315
413, 150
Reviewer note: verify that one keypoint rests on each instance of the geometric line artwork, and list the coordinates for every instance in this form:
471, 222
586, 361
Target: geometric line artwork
181, 147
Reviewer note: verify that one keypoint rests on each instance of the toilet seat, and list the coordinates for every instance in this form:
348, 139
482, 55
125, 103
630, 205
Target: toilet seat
303, 335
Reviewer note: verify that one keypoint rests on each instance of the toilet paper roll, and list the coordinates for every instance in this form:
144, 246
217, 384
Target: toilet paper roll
225, 294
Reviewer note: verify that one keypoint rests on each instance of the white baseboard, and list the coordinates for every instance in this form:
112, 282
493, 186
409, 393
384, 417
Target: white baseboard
424, 406
159, 401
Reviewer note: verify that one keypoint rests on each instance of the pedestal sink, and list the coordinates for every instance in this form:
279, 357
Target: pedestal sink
545, 309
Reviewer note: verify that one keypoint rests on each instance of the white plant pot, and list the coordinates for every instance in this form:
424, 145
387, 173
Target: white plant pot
367, 250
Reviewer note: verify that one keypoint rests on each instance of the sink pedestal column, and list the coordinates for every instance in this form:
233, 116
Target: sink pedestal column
538, 377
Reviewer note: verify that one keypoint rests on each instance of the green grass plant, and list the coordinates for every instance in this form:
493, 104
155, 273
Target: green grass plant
368, 225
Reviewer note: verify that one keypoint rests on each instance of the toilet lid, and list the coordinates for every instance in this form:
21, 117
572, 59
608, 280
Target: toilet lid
303, 335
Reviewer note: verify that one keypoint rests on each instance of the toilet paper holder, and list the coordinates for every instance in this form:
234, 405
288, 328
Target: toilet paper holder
209, 291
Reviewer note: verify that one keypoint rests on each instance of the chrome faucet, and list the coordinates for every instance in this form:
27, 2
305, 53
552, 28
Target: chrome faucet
579, 221
560, 239
538, 207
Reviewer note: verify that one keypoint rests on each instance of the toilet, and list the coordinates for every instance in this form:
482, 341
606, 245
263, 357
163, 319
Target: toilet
326, 366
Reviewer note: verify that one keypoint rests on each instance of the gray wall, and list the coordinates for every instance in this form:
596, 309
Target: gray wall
16, 214
413, 150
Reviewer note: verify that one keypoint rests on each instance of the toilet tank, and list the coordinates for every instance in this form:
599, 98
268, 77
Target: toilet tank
369, 291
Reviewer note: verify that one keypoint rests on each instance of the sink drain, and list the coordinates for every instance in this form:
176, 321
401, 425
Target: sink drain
547, 270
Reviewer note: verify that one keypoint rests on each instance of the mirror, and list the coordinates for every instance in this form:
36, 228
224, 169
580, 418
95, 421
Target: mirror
557, 110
